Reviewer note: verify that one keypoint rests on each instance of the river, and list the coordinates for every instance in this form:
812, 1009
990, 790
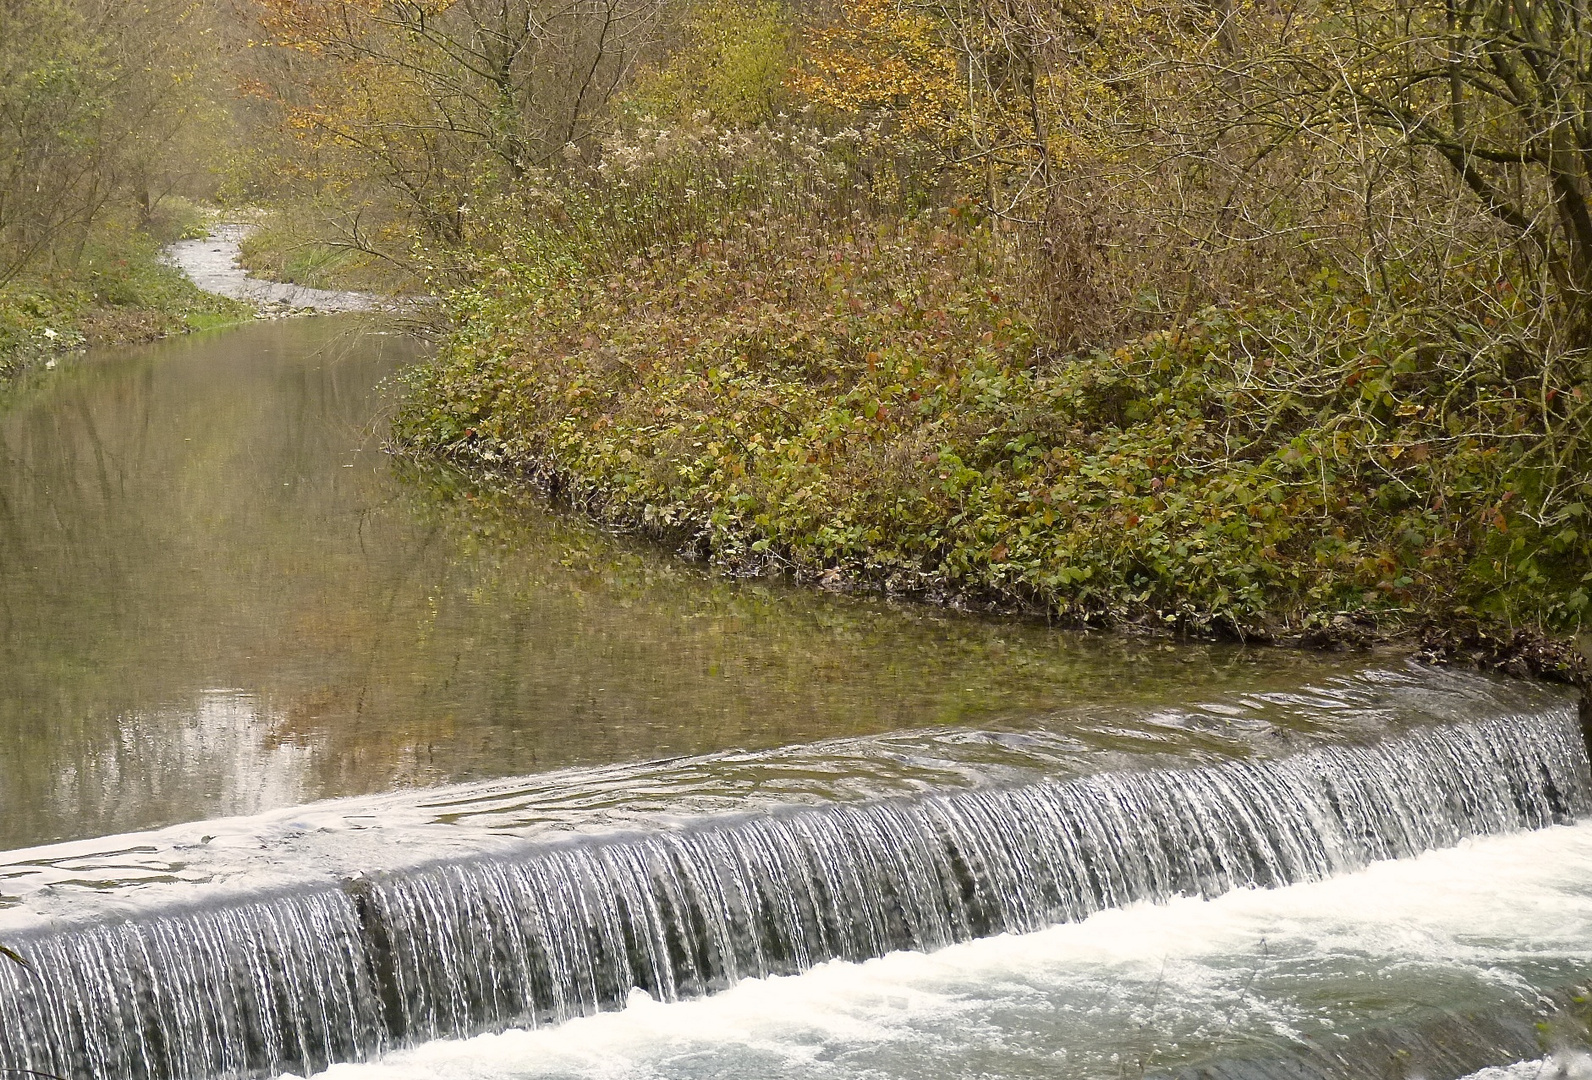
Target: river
245, 654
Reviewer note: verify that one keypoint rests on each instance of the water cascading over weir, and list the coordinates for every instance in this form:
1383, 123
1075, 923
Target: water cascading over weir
298, 980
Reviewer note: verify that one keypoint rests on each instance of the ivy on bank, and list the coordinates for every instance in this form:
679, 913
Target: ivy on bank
873, 409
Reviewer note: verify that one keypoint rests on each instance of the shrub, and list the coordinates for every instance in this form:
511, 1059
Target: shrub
876, 409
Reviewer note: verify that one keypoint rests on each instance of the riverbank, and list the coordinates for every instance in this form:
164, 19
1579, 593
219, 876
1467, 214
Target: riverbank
196, 282
124, 296
877, 415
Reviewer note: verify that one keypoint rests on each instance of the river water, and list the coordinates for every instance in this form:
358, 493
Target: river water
212, 264
244, 651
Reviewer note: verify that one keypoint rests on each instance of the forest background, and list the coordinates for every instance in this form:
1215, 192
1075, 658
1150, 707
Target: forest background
1270, 318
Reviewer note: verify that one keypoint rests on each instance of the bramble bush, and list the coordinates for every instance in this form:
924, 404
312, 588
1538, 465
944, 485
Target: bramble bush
1160, 315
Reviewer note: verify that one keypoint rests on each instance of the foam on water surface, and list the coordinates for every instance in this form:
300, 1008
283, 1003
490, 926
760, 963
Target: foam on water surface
1568, 1065
542, 933
1492, 921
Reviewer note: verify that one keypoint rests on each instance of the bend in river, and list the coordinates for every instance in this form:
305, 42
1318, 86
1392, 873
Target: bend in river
312, 757
212, 263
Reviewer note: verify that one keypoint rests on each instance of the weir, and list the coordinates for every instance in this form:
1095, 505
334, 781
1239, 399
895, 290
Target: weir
299, 980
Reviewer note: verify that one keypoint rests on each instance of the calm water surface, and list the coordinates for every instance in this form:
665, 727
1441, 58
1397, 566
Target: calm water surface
218, 596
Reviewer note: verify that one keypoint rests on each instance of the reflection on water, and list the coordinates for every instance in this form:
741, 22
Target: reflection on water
217, 596
200, 747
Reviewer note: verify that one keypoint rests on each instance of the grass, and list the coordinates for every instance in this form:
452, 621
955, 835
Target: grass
117, 293
288, 245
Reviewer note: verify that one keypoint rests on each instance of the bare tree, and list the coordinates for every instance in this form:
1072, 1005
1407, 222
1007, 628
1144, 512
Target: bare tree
435, 102
1498, 91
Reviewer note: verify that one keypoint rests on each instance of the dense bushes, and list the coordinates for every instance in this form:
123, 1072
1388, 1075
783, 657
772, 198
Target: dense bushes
111, 121
1145, 314
874, 409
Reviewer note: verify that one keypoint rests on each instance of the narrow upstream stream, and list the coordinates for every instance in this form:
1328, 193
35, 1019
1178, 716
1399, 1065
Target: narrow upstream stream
312, 759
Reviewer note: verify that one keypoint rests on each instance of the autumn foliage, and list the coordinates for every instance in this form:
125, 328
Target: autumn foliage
878, 58
1216, 315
